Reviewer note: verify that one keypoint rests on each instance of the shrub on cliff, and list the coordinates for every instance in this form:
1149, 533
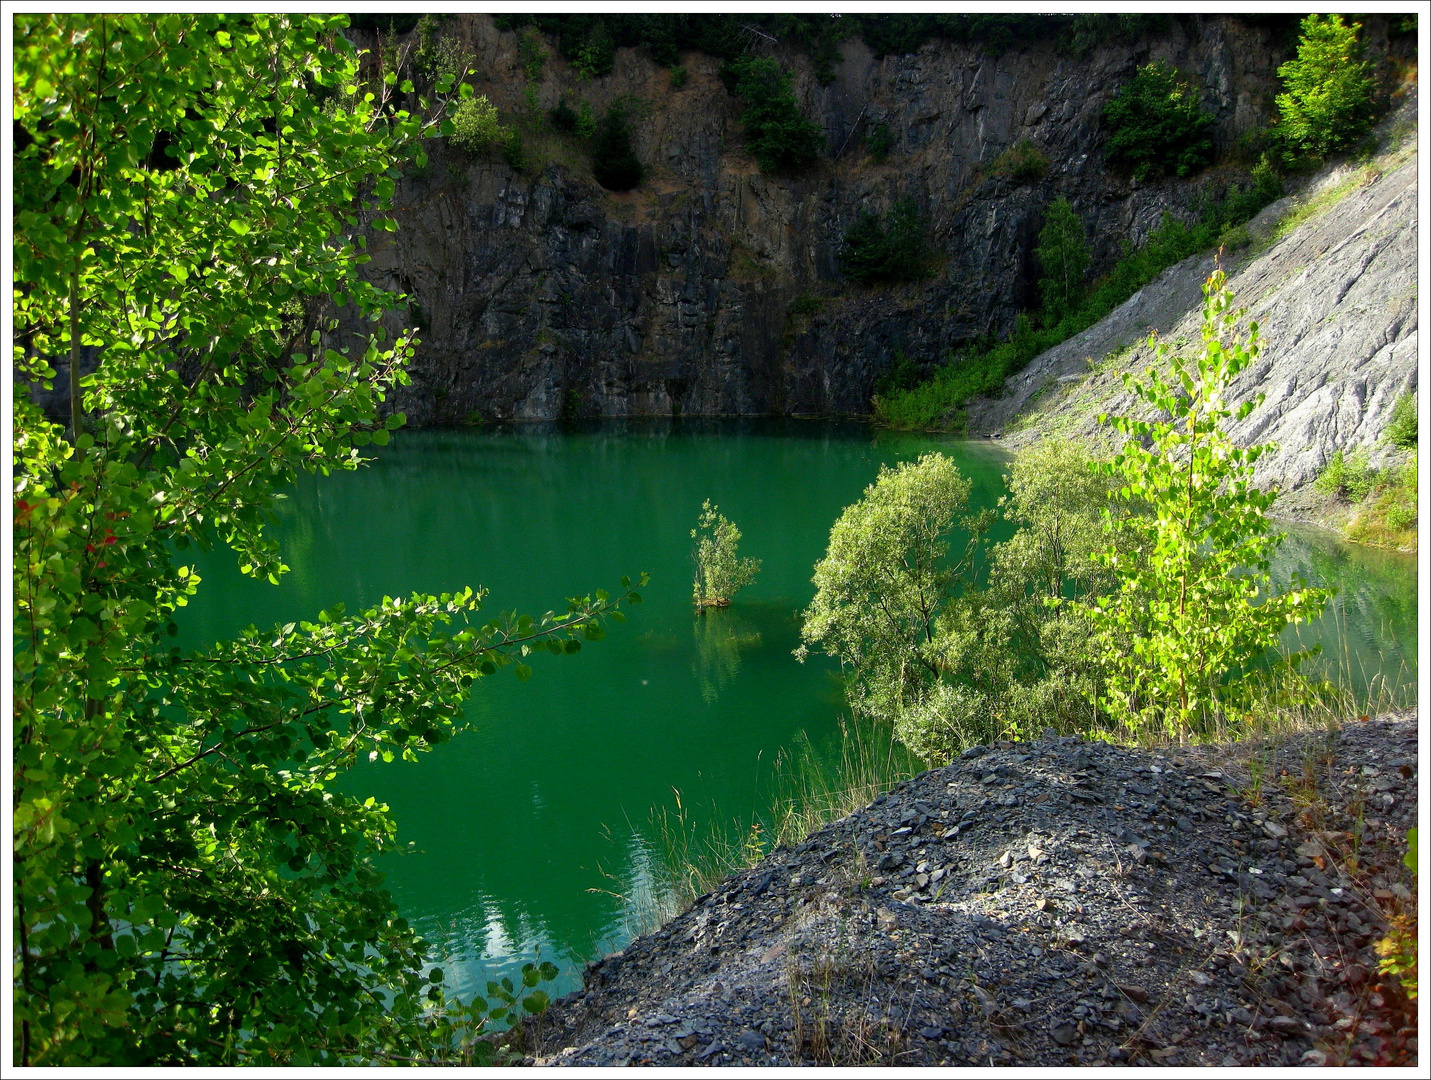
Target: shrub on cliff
777, 131
614, 163
875, 252
1157, 125
879, 142
1329, 102
475, 125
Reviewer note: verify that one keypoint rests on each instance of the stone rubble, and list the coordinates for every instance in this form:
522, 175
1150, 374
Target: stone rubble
1058, 902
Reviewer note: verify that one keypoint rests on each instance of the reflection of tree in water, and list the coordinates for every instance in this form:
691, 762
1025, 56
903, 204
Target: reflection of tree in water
1369, 626
720, 636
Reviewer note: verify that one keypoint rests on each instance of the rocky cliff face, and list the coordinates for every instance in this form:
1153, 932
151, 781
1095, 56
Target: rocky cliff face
541, 294
1335, 301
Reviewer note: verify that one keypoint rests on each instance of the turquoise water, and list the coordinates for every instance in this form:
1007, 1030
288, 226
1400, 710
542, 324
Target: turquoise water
532, 834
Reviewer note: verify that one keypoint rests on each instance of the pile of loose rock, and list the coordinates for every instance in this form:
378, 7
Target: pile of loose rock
1048, 903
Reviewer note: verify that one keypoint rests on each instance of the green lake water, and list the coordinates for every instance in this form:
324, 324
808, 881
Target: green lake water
527, 829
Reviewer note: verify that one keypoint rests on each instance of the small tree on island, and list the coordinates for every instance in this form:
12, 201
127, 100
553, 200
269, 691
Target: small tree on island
720, 572
1194, 608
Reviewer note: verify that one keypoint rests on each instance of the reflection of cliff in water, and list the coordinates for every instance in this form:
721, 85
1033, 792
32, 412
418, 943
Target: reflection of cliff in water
720, 636
1369, 626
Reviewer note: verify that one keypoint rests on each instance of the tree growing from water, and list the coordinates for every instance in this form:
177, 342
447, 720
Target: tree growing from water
193, 196
883, 592
1194, 608
720, 571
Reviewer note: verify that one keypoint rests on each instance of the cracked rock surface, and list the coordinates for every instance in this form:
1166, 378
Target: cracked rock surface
1048, 903
1335, 301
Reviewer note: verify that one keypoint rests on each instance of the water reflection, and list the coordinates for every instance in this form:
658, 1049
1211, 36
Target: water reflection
721, 634
529, 827
1367, 635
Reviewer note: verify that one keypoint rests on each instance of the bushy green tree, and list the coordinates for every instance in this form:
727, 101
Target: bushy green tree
1157, 125
1063, 257
882, 591
1194, 605
777, 132
597, 53
720, 571
192, 195
476, 125
1330, 97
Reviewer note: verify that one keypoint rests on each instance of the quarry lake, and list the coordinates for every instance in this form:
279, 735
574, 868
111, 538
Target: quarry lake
527, 830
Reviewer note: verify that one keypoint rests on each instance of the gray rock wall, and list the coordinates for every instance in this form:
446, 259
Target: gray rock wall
1335, 301
542, 294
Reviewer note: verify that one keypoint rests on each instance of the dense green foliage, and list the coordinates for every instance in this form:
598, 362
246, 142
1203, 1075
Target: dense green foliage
1384, 500
999, 642
614, 163
438, 55
1387, 515
720, 571
1023, 162
1134, 595
1195, 606
1330, 97
1157, 125
187, 887
476, 126
983, 367
882, 589
777, 131
876, 251
665, 36
1401, 430
596, 53
879, 141
1063, 258
1349, 478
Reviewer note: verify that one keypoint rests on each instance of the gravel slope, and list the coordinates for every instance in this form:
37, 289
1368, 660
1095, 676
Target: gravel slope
1049, 903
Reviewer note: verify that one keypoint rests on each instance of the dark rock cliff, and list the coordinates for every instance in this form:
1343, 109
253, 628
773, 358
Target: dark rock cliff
540, 294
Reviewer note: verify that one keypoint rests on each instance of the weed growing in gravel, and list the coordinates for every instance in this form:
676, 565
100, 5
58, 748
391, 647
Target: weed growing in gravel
816, 786
818, 789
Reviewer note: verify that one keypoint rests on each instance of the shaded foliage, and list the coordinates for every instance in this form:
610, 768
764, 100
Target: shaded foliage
879, 141
1063, 257
614, 163
876, 251
777, 131
1157, 125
